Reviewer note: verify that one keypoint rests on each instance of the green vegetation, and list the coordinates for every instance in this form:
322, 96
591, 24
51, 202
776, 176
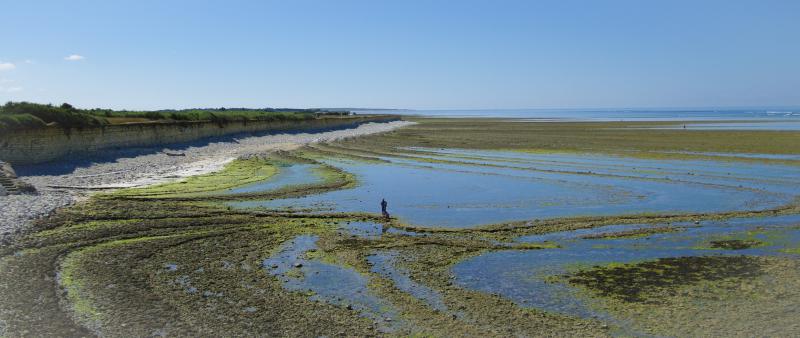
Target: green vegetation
26, 115
636, 233
174, 259
113, 254
794, 251
236, 173
735, 244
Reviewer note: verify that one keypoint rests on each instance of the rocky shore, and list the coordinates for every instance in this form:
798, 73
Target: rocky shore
64, 182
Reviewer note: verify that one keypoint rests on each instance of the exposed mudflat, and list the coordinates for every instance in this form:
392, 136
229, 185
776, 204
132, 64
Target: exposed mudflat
489, 243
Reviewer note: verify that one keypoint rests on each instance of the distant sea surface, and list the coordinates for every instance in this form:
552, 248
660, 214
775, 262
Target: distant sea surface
743, 114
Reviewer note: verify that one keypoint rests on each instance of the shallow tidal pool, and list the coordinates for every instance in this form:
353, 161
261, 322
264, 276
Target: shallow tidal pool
454, 188
524, 276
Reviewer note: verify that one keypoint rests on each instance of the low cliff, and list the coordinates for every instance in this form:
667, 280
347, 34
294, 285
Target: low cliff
43, 145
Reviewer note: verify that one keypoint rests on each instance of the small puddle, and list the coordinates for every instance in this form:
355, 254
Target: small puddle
372, 230
329, 283
288, 175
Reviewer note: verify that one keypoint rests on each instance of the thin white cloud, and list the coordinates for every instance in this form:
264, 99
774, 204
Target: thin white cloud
10, 89
7, 66
74, 57
29, 61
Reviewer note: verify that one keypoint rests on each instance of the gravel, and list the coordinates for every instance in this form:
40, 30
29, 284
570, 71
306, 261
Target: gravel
64, 182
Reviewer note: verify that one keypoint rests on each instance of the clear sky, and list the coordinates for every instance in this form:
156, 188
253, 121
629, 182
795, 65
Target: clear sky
146, 54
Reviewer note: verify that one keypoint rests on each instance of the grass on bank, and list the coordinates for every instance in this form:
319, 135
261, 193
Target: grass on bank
26, 115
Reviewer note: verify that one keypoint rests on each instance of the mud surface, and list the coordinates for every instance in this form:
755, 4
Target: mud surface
179, 259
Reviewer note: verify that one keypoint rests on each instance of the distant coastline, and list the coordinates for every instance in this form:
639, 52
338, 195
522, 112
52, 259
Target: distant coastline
610, 114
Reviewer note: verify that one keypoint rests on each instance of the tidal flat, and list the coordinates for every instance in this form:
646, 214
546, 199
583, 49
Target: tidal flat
498, 228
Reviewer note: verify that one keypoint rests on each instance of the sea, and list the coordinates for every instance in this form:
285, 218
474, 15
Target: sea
609, 114
782, 118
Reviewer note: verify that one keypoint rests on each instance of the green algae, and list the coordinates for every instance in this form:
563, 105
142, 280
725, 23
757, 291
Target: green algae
735, 244
126, 239
237, 173
637, 282
636, 233
718, 307
795, 251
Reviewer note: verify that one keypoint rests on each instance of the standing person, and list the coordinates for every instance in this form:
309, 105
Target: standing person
384, 204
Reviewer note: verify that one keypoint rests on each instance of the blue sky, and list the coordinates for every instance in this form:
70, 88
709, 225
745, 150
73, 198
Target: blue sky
147, 54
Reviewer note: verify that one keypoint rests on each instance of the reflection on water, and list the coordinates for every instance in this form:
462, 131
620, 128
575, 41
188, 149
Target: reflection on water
330, 283
493, 187
462, 188
521, 275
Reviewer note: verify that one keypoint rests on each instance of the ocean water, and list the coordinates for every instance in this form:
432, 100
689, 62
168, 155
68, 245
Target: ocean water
688, 114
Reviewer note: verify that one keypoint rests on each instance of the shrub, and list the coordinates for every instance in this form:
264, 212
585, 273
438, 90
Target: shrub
20, 121
32, 115
65, 116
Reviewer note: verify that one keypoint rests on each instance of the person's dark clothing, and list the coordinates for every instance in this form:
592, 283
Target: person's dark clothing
384, 204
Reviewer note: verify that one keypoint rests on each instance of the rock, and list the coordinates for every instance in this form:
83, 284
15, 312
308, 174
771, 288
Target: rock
298, 265
349, 307
7, 170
